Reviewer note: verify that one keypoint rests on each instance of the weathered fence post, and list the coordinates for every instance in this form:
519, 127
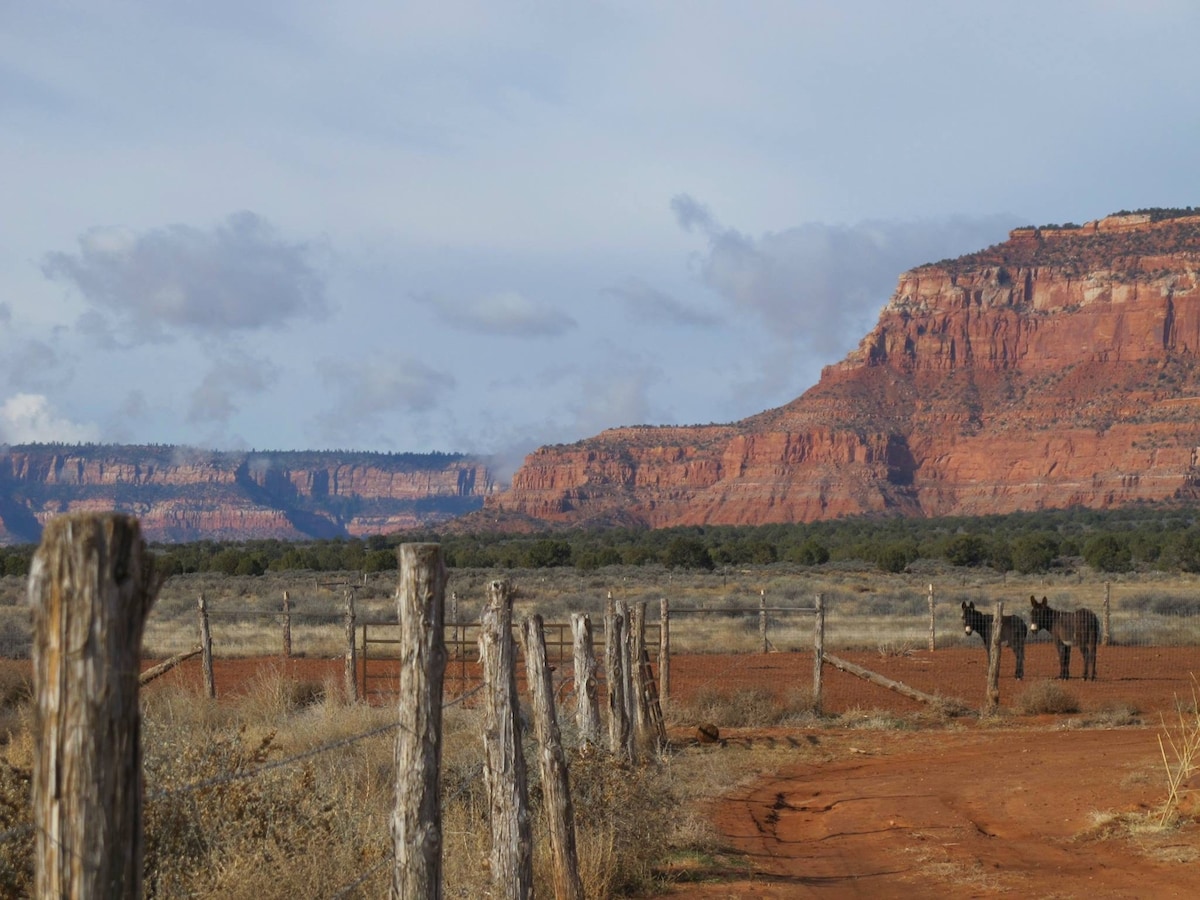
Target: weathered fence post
287, 626
993, 675
351, 649
618, 712
553, 763
762, 618
511, 856
818, 651
587, 700
1105, 621
664, 649
206, 658
639, 678
627, 684
932, 628
91, 585
417, 817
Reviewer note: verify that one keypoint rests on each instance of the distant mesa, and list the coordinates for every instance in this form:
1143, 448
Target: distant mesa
1058, 368
184, 494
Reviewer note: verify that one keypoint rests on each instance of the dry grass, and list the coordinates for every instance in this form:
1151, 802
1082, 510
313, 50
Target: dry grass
1046, 697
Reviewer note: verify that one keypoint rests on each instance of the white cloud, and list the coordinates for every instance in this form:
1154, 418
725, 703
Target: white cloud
368, 389
31, 419
507, 313
818, 285
236, 373
647, 302
237, 276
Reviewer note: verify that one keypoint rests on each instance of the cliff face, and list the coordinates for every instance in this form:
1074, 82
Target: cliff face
1055, 369
180, 494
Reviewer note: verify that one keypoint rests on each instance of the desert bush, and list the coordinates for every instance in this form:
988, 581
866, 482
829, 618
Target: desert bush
1047, 697
743, 708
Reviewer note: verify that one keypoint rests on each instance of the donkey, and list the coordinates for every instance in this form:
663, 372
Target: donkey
1012, 632
1068, 628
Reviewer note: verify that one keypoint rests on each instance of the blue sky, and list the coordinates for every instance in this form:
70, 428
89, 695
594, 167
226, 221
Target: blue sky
483, 227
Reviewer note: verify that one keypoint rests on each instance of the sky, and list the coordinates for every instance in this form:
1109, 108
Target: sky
482, 227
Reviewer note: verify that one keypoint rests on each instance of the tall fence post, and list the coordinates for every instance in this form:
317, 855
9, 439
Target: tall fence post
587, 700
511, 855
287, 626
1105, 621
618, 713
639, 678
91, 585
206, 658
416, 819
818, 651
553, 764
664, 649
993, 674
351, 649
932, 627
762, 618
627, 686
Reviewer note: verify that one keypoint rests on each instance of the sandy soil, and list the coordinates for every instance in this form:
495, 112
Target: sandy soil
973, 813
1026, 806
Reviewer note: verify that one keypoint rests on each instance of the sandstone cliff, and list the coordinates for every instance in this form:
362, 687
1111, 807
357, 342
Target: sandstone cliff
1058, 368
181, 494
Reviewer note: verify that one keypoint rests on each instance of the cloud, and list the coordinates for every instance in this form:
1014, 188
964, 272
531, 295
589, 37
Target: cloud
34, 365
214, 400
645, 301
368, 389
238, 276
504, 313
30, 419
820, 285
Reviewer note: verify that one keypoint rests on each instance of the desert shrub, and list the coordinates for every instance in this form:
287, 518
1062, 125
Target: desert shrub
1108, 553
1162, 604
1047, 697
750, 707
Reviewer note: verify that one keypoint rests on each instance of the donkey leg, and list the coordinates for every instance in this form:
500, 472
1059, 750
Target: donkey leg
1019, 653
1064, 662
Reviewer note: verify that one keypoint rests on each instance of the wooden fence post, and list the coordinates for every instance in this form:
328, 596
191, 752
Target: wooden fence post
664, 649
627, 687
206, 659
553, 763
417, 817
351, 649
91, 585
287, 626
818, 651
511, 856
932, 629
587, 700
993, 675
1104, 635
618, 712
762, 618
639, 679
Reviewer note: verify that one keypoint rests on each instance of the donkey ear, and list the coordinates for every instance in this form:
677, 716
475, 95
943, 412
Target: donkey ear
964, 606
1032, 600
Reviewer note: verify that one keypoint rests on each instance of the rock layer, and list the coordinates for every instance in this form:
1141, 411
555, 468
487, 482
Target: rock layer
1058, 368
182, 494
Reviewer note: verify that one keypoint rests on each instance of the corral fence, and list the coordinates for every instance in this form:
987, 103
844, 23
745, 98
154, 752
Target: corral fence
766, 643
91, 586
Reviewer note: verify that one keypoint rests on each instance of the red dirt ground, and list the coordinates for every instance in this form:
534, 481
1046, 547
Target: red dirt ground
967, 810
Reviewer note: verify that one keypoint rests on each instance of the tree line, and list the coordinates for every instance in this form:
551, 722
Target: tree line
1165, 538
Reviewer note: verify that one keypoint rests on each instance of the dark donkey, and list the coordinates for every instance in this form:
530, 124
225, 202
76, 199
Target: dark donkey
1012, 632
1068, 629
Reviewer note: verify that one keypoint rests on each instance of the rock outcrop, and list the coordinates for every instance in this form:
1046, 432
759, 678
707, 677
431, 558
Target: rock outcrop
182, 494
1058, 368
